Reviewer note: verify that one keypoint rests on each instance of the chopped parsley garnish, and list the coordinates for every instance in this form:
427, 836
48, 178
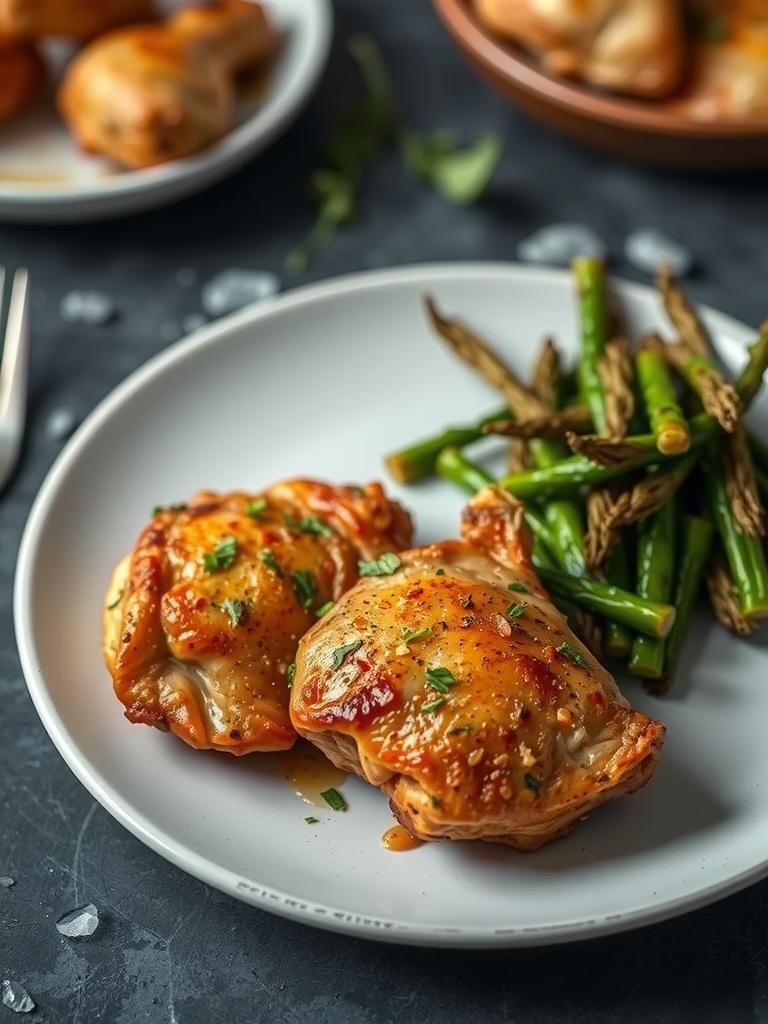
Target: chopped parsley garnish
575, 656
384, 566
223, 555
177, 506
532, 782
309, 524
304, 587
440, 679
341, 652
433, 705
324, 609
515, 610
235, 609
461, 728
256, 508
117, 600
414, 634
439, 572
334, 799
311, 820
268, 558
290, 674
436, 801
518, 588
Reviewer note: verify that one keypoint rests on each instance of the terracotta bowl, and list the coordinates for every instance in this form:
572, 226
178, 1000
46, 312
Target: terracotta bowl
636, 130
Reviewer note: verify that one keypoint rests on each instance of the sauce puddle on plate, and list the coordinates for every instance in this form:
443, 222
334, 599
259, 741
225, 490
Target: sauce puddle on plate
398, 839
309, 773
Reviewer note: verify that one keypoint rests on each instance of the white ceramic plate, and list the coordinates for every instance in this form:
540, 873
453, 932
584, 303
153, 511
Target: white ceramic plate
323, 381
45, 177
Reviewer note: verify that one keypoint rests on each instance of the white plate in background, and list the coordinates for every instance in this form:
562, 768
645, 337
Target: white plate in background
44, 177
323, 381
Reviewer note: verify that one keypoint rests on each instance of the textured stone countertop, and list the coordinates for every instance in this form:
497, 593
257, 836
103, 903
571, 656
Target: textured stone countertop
169, 949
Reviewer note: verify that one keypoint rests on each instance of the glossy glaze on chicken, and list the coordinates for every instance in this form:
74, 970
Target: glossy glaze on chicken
146, 94
203, 617
708, 58
73, 19
456, 686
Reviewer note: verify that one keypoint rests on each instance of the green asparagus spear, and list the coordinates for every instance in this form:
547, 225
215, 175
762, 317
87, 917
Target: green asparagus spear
744, 554
594, 595
418, 460
750, 379
655, 572
697, 537
589, 276
666, 417
651, 617
454, 466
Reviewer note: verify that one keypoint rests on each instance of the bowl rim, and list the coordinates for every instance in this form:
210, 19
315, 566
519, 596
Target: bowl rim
518, 69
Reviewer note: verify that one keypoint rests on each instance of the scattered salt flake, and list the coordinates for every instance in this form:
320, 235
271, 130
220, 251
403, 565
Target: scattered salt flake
60, 423
193, 322
6, 881
234, 288
186, 276
647, 248
16, 997
558, 244
79, 923
92, 308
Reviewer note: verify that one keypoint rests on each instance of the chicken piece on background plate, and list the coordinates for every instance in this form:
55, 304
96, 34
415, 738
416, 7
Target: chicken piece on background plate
22, 74
202, 618
729, 60
148, 94
73, 19
456, 686
629, 46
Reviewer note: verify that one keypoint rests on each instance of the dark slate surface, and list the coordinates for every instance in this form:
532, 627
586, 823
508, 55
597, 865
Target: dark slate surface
170, 949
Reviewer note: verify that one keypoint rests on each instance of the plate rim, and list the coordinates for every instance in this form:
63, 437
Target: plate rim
149, 187
184, 857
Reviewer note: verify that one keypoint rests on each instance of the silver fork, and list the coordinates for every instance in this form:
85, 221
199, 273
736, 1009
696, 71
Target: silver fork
13, 372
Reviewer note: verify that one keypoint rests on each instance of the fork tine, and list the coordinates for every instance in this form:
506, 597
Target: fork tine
13, 370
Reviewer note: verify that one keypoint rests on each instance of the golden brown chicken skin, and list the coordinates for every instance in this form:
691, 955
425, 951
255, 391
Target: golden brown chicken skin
202, 619
22, 73
455, 685
630, 46
74, 19
148, 94
728, 76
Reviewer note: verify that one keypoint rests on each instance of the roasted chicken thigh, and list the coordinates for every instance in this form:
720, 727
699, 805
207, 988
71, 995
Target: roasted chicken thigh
147, 94
631, 46
75, 19
203, 617
22, 73
729, 60
454, 684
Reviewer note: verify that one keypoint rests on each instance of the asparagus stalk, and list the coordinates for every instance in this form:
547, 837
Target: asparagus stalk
618, 637
697, 537
655, 571
418, 460
667, 420
589, 276
651, 617
454, 466
750, 380
594, 595
743, 553
718, 397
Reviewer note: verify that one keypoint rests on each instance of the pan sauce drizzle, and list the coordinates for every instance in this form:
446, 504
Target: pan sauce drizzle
309, 773
397, 839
